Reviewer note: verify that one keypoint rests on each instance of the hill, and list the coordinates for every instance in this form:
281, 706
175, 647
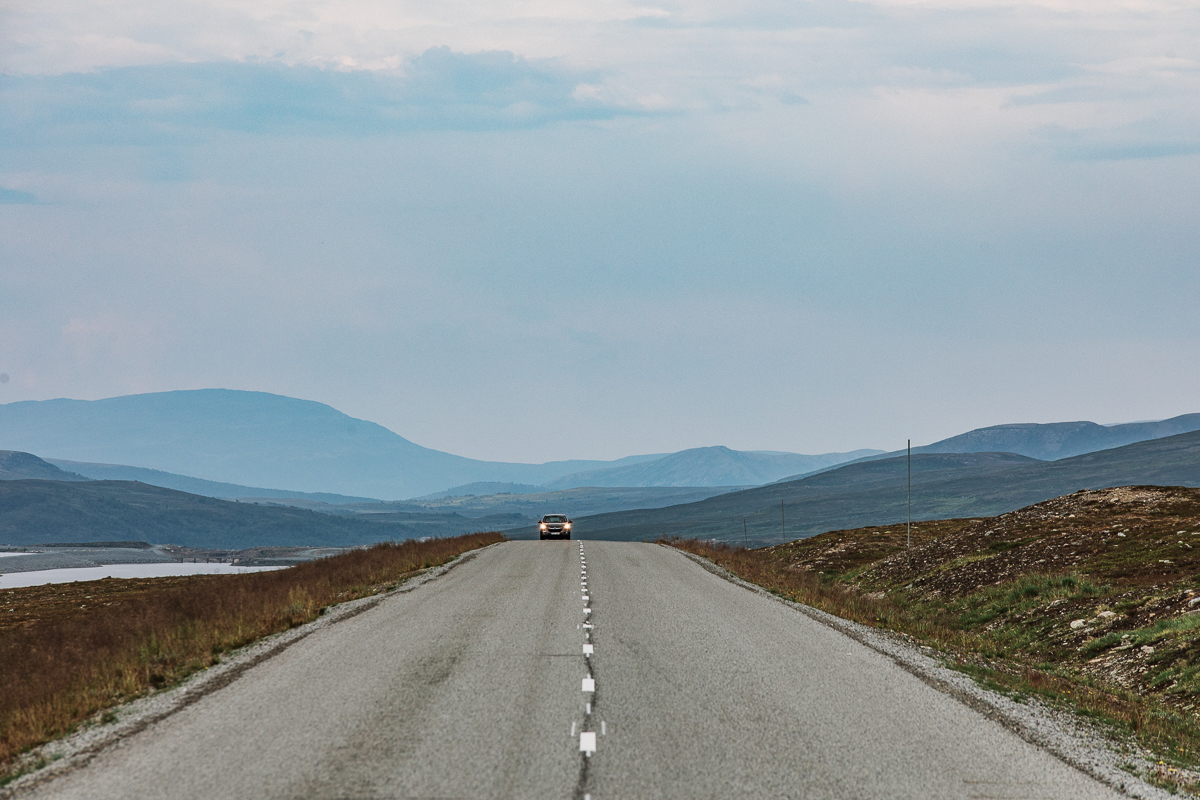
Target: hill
254, 439
480, 489
706, 466
36, 511
575, 502
15, 466
873, 492
186, 483
1057, 440
502, 508
222, 443
1044, 441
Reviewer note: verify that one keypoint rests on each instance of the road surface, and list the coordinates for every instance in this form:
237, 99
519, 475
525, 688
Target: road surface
474, 686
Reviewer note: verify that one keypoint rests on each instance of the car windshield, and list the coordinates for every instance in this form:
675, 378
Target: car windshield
554, 518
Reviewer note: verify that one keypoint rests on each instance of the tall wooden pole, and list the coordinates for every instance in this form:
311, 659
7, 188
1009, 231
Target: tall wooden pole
910, 492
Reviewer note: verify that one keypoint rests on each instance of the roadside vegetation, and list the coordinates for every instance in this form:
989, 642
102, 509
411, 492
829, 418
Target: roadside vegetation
70, 651
1090, 601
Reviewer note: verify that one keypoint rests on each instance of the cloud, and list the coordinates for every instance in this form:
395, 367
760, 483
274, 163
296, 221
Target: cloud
437, 90
10, 197
1151, 137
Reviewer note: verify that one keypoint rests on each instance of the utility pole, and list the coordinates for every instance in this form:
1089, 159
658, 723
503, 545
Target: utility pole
783, 520
745, 535
910, 492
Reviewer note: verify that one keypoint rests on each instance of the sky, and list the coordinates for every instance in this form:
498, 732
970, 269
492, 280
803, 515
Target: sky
527, 230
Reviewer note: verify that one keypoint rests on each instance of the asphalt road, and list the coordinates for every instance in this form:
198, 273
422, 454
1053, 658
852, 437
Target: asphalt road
472, 686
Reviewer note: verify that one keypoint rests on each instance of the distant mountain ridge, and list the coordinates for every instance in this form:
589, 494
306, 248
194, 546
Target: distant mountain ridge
217, 441
197, 486
34, 511
254, 439
1056, 440
873, 492
706, 466
1047, 441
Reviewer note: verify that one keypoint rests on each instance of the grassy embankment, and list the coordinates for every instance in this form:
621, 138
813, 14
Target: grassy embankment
69, 651
1091, 601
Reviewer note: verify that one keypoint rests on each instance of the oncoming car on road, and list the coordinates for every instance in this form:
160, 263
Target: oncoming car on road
555, 526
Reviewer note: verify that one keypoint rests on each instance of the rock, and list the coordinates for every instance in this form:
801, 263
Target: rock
1147, 649
1106, 615
1077, 624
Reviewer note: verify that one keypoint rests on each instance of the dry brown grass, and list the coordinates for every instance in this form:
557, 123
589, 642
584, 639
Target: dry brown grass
61, 669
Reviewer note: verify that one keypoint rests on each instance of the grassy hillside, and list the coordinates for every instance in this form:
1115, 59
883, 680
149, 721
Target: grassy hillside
36, 511
873, 493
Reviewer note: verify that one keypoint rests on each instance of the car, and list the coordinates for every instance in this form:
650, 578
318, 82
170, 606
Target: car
555, 526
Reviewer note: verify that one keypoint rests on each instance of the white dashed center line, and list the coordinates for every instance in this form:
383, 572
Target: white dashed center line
587, 739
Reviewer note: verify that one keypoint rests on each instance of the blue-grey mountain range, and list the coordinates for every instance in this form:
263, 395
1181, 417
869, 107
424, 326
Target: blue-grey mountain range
1049, 441
255, 439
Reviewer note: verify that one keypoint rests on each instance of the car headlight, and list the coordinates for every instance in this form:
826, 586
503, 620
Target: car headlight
543, 526
568, 525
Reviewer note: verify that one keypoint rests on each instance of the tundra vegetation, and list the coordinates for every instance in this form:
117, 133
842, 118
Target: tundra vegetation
1089, 601
69, 652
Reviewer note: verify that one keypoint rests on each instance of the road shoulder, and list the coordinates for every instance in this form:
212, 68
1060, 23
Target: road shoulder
1074, 741
76, 750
